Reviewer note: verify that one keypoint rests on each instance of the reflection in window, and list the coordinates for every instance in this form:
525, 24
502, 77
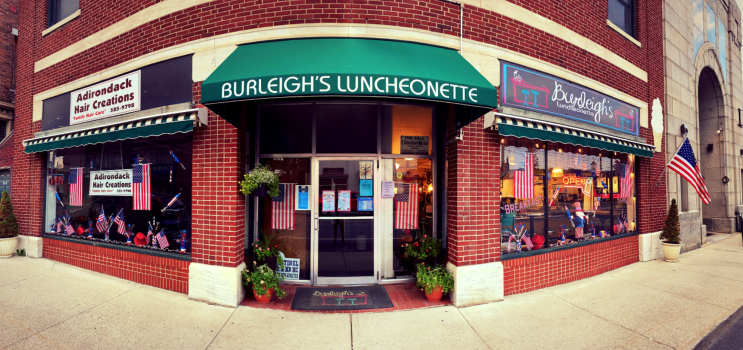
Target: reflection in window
61, 9
292, 236
711, 30
698, 27
167, 179
622, 14
723, 52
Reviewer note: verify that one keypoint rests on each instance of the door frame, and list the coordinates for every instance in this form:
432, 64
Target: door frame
314, 225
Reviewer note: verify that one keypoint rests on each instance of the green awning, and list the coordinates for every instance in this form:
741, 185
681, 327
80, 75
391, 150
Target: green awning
163, 124
539, 130
348, 67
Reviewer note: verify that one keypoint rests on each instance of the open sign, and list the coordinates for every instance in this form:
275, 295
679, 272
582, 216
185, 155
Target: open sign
57, 179
571, 180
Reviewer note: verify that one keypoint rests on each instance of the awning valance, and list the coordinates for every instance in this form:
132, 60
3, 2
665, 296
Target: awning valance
348, 67
162, 124
545, 131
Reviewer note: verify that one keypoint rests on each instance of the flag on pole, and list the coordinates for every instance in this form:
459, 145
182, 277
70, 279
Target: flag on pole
101, 223
685, 164
141, 186
282, 208
162, 240
76, 187
625, 176
119, 220
524, 175
406, 206
149, 233
59, 226
69, 229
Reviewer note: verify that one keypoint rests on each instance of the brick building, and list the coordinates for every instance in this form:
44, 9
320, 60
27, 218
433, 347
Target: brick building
8, 39
516, 132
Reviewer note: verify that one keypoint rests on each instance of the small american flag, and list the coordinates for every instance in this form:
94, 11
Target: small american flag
149, 233
282, 208
141, 186
76, 187
625, 183
527, 240
524, 175
69, 229
162, 240
101, 223
119, 220
59, 226
685, 164
406, 206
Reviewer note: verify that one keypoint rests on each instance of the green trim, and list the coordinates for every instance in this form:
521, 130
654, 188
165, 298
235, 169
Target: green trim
274, 69
572, 138
89, 138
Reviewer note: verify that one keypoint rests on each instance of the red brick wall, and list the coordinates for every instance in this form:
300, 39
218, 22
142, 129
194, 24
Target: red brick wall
151, 270
541, 271
218, 227
473, 196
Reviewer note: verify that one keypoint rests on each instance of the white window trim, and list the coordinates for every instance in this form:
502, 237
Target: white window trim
61, 23
623, 33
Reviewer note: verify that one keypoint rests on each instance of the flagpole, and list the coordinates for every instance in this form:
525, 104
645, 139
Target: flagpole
686, 136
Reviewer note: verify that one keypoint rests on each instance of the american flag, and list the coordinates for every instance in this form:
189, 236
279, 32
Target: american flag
527, 240
282, 208
76, 187
59, 226
149, 233
69, 229
406, 205
162, 239
685, 164
119, 220
625, 183
524, 175
101, 223
141, 186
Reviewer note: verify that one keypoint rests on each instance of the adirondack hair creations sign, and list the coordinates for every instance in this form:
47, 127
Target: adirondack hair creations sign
107, 99
111, 183
536, 91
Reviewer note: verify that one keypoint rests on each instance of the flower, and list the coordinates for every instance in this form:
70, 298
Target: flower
263, 282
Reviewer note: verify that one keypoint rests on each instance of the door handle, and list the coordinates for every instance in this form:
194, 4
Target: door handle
317, 224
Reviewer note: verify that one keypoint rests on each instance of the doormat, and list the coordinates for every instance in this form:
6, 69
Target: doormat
341, 298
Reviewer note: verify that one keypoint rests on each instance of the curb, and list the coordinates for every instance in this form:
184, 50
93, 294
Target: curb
710, 339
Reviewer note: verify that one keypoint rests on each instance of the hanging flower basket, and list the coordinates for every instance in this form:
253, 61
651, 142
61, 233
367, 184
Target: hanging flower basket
260, 177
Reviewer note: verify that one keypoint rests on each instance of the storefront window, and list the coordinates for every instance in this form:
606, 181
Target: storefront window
412, 210
346, 128
286, 129
407, 129
590, 194
138, 186
289, 225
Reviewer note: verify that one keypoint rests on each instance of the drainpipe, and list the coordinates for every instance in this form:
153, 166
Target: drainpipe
461, 21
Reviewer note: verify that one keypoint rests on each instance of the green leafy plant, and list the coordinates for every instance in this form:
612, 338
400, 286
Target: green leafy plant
671, 233
8, 221
429, 279
424, 248
20, 252
261, 175
263, 279
265, 247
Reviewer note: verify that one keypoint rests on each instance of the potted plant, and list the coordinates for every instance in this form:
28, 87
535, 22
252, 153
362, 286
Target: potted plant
671, 242
266, 252
265, 283
434, 281
261, 180
425, 250
8, 227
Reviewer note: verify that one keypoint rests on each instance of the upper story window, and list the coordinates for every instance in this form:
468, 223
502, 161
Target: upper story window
3, 129
622, 14
61, 9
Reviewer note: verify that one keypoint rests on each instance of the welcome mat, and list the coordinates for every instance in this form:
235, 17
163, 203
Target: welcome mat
341, 298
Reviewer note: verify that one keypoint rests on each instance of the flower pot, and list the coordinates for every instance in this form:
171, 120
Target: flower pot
263, 299
671, 251
261, 191
435, 295
8, 246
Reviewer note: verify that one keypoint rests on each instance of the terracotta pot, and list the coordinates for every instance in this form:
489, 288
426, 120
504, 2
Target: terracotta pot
8, 246
435, 295
263, 299
671, 251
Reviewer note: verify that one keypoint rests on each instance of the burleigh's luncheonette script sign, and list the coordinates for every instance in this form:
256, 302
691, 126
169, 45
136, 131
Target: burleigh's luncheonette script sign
107, 99
337, 84
533, 90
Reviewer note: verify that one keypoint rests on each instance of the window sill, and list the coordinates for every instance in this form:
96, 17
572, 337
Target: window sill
553, 249
133, 249
623, 33
61, 23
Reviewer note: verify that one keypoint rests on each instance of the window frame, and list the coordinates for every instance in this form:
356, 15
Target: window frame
52, 7
630, 18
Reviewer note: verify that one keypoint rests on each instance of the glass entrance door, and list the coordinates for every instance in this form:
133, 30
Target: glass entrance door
344, 227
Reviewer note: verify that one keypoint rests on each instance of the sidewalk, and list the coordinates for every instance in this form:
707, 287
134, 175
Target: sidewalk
654, 305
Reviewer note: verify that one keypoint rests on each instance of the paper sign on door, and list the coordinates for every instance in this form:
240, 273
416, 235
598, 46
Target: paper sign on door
328, 201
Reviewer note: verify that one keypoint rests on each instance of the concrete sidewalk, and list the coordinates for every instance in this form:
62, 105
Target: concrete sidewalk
44, 304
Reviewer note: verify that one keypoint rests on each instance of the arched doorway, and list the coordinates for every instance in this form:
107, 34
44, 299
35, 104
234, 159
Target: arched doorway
711, 107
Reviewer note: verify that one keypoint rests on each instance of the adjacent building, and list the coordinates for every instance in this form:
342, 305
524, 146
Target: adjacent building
8, 40
517, 133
